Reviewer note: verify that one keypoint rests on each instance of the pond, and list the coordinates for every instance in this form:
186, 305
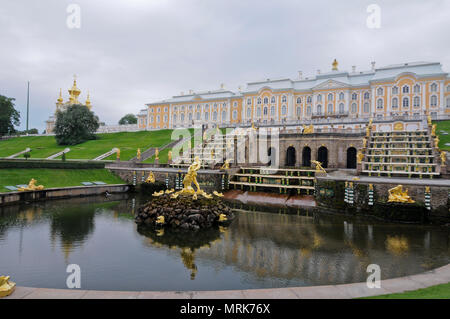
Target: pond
258, 250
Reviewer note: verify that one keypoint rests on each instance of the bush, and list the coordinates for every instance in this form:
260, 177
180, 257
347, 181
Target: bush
63, 157
49, 164
27, 155
75, 125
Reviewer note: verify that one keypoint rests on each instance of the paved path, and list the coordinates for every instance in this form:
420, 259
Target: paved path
437, 276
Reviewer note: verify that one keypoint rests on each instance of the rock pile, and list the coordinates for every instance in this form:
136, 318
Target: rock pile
184, 212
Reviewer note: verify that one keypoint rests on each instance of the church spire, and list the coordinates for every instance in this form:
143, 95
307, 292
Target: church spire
88, 101
335, 65
74, 92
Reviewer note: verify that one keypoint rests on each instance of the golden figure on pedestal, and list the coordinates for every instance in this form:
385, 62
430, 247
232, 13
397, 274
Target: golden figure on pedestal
156, 154
397, 195
433, 130
6, 287
169, 156
308, 129
436, 142
443, 158
226, 165
360, 157
191, 177
151, 178
319, 167
138, 155
31, 186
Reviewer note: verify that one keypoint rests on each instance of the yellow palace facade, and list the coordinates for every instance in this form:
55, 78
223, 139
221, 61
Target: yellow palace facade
409, 90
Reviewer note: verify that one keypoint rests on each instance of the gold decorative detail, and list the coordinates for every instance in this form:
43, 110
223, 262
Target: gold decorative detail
319, 167
6, 287
118, 153
189, 178
157, 194
367, 131
427, 189
169, 156
218, 194
397, 195
74, 92
156, 154
308, 129
31, 186
360, 157
88, 102
436, 142
226, 165
443, 157
151, 178
371, 187
138, 155
355, 178
169, 191
433, 130
429, 120
160, 220
364, 142
398, 126
335, 65
222, 218
60, 98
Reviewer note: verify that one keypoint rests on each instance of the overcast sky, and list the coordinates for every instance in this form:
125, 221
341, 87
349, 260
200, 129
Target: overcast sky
131, 52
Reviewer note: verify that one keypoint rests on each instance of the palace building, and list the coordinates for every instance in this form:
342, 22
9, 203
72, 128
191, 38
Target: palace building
74, 93
345, 98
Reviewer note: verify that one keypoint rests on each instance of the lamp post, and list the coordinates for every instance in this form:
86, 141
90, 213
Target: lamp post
28, 104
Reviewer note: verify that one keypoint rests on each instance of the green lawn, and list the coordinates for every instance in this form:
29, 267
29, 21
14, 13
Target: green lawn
55, 177
434, 292
128, 142
443, 126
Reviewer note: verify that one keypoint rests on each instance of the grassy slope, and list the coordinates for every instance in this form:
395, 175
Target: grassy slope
444, 126
435, 292
55, 177
128, 142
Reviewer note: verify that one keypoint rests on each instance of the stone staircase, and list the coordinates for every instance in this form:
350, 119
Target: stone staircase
401, 154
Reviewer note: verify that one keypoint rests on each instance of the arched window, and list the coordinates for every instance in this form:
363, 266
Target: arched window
319, 109
330, 108
235, 114
190, 117
319, 98
354, 96
272, 100
380, 104
341, 96
198, 116
283, 110
395, 90
341, 108
354, 108
259, 100
299, 111
206, 116
249, 112
265, 111
308, 110
433, 87
433, 101
448, 102
330, 97
174, 118
224, 115
380, 91
405, 89
165, 118
416, 101
258, 111
405, 102
215, 116
151, 119
366, 107
266, 100
299, 100
366, 96
249, 101
284, 99
394, 103
272, 110
417, 88
182, 117
309, 99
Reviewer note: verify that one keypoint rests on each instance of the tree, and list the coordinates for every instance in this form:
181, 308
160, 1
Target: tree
75, 125
9, 116
128, 119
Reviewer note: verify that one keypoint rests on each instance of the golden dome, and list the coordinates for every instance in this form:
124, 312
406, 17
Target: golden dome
74, 92
335, 65
88, 101
60, 98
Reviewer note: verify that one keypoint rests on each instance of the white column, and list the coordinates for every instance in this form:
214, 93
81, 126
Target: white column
148, 118
170, 124
374, 100
347, 97
388, 104
424, 98
290, 107
441, 102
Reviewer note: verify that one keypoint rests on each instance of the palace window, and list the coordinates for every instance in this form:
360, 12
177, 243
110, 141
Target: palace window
249, 101
215, 106
366, 96
405, 102
341, 108
394, 103
272, 110
191, 107
341, 96
259, 100
354, 108
416, 101
198, 116
258, 111
309, 99
380, 91
174, 118
215, 116
330, 97
151, 110
165, 109
166, 118
319, 109
299, 100
198, 108
448, 88
354, 96
182, 108
405, 89
433, 87
448, 102
151, 119
366, 107
283, 110
175, 109
266, 100
190, 117
284, 99
265, 110
417, 88
330, 109
249, 112
299, 111
206, 116
308, 110
224, 115
159, 110
433, 101
182, 117
224, 104
235, 114
380, 104
319, 98
395, 90
272, 100
235, 104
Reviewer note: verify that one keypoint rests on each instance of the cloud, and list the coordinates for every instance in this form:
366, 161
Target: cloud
131, 52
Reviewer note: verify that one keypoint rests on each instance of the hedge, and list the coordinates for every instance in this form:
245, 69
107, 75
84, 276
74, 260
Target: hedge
50, 164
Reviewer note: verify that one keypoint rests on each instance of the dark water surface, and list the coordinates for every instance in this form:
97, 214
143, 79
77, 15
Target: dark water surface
258, 250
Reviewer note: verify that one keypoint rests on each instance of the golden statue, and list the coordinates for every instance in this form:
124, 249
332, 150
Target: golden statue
151, 178
156, 154
253, 126
360, 157
138, 154
218, 194
222, 218
436, 142
226, 165
169, 156
364, 142
118, 153
397, 195
319, 168
169, 191
160, 220
433, 130
335, 65
308, 129
189, 178
6, 287
429, 120
212, 153
31, 186
370, 123
367, 131
157, 194
204, 136
444, 157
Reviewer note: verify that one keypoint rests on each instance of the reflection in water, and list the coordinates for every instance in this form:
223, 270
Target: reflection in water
258, 250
